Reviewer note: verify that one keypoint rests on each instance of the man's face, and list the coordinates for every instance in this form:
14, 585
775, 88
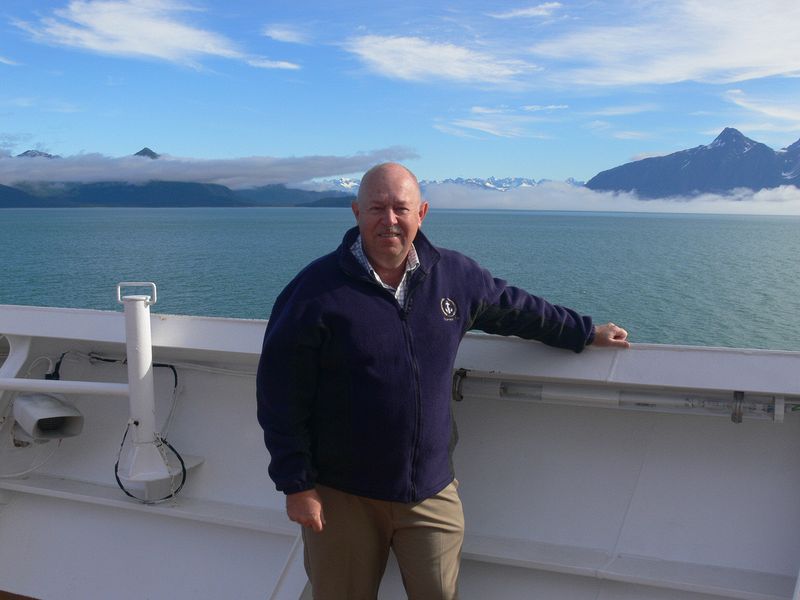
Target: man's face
389, 214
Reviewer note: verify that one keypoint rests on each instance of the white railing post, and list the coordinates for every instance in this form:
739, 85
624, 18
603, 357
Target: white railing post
139, 349
142, 468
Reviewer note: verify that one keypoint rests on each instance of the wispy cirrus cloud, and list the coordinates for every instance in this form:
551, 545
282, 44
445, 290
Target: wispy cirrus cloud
44, 104
719, 41
544, 108
540, 10
503, 122
150, 29
416, 59
621, 111
286, 33
498, 128
786, 112
631, 135
8, 61
235, 172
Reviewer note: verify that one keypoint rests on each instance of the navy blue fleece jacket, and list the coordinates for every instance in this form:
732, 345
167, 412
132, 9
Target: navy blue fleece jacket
354, 391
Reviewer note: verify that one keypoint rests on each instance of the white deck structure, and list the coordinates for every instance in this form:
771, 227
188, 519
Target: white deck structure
583, 477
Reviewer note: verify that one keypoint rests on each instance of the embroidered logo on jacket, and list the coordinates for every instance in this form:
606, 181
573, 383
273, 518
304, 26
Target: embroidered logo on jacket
449, 309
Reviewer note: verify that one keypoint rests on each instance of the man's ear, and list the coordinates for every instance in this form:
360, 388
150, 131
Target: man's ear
423, 210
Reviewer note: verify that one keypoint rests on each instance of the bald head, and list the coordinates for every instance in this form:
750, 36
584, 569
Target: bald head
388, 176
389, 211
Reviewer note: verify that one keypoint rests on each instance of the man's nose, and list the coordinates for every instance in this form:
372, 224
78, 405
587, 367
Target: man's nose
390, 217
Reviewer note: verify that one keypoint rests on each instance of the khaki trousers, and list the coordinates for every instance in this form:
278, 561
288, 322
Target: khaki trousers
347, 559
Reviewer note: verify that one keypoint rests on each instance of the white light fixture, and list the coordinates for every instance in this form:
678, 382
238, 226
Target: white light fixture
734, 404
44, 417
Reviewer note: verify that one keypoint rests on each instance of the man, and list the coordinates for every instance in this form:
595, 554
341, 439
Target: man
354, 392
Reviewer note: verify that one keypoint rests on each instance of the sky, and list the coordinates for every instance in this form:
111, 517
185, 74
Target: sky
287, 92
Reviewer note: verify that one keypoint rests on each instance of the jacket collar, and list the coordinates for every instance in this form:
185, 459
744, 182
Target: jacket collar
427, 253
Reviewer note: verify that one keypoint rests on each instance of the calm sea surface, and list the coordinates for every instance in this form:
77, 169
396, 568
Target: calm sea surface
678, 279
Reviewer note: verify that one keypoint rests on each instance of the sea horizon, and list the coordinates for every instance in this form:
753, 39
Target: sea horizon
688, 279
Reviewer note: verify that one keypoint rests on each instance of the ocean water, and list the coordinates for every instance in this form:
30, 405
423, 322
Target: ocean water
679, 279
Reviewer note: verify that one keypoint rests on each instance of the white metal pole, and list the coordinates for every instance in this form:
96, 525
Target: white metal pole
142, 468
140, 368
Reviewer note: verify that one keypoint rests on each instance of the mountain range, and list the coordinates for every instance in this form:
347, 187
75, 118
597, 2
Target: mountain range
177, 194
731, 161
173, 194
338, 192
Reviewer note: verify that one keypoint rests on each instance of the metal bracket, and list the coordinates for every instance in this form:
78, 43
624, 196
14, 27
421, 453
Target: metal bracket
458, 377
737, 408
152, 299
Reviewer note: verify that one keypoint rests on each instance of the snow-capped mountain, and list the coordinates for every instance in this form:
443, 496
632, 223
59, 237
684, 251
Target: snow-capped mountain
730, 161
36, 154
492, 183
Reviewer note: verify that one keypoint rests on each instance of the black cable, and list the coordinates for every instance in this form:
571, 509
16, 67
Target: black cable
174, 373
159, 440
55, 374
125, 360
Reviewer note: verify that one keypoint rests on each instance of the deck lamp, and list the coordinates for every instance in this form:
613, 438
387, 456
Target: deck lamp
43, 417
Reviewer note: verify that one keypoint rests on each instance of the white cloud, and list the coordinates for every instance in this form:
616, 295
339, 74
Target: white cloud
709, 40
235, 173
263, 63
8, 61
416, 59
286, 33
500, 121
562, 196
549, 107
620, 111
485, 110
20, 102
455, 131
599, 125
541, 10
496, 128
45, 104
786, 111
631, 135
644, 155
136, 28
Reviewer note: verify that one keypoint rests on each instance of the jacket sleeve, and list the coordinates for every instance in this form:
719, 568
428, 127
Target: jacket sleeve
507, 310
285, 391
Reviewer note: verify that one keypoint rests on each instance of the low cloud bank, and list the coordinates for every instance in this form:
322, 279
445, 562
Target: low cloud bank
241, 173
235, 173
784, 200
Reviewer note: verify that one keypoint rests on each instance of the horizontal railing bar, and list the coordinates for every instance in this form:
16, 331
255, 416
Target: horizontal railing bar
64, 387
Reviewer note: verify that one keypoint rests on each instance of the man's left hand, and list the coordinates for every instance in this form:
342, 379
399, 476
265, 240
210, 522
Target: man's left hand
610, 336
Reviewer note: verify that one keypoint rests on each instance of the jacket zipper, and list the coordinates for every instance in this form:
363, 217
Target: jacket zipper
417, 405
403, 312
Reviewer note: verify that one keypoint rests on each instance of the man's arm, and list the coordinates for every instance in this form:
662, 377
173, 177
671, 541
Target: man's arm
508, 310
610, 336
